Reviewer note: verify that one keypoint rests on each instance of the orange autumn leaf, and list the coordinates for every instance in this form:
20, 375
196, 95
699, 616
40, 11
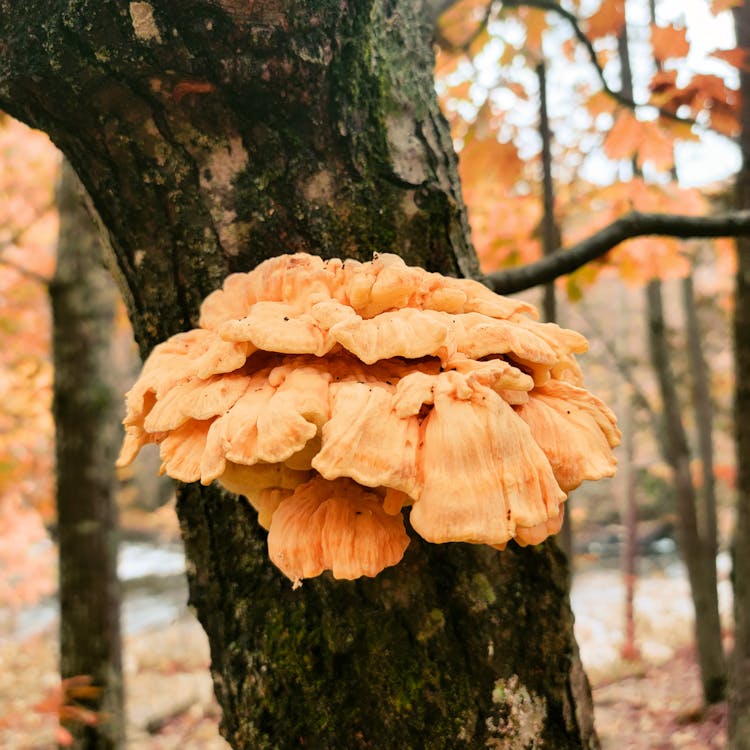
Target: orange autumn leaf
655, 147
719, 6
736, 57
569, 47
608, 20
663, 86
681, 131
535, 21
623, 139
726, 256
644, 258
446, 62
726, 473
713, 88
483, 161
724, 119
669, 41
599, 103
461, 21
460, 91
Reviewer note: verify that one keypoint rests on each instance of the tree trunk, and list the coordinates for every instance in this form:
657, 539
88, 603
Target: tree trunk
698, 553
83, 306
739, 693
551, 241
212, 135
701, 394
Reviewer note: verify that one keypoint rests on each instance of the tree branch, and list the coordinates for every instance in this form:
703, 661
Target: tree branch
26, 272
623, 366
580, 34
464, 47
633, 224
16, 237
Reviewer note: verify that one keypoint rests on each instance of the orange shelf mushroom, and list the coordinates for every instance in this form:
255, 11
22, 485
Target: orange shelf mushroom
334, 394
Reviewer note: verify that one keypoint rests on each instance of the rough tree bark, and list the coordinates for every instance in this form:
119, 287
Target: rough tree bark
211, 134
83, 309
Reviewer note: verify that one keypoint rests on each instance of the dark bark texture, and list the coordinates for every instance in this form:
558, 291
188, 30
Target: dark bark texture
212, 134
86, 436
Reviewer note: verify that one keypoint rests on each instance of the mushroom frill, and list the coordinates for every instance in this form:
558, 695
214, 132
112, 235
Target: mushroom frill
333, 394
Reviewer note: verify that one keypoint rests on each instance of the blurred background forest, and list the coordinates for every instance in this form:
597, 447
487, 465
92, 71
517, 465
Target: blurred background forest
565, 118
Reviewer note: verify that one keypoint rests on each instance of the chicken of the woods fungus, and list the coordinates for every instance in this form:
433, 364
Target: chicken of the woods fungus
335, 394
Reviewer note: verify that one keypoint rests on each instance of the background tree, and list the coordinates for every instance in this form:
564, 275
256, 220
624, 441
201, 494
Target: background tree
86, 437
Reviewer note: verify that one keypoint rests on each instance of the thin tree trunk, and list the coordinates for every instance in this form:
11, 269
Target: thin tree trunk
621, 349
739, 693
701, 392
550, 232
211, 136
83, 305
698, 554
551, 241
629, 648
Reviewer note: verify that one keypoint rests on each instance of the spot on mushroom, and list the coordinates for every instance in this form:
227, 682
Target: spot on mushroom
336, 394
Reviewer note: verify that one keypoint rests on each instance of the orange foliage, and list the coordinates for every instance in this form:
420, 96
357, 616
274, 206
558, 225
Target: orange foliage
535, 21
65, 700
669, 41
643, 258
719, 6
705, 93
28, 229
462, 21
624, 138
504, 194
609, 19
737, 57
503, 222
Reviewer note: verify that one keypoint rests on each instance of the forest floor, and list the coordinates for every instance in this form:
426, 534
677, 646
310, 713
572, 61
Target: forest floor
170, 701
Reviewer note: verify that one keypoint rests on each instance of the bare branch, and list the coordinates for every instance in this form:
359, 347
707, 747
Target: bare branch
16, 237
633, 224
465, 45
26, 272
18, 234
623, 366
580, 34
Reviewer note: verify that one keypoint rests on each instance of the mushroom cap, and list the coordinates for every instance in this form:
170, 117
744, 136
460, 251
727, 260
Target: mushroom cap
337, 526
506, 480
555, 409
331, 394
383, 284
367, 441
